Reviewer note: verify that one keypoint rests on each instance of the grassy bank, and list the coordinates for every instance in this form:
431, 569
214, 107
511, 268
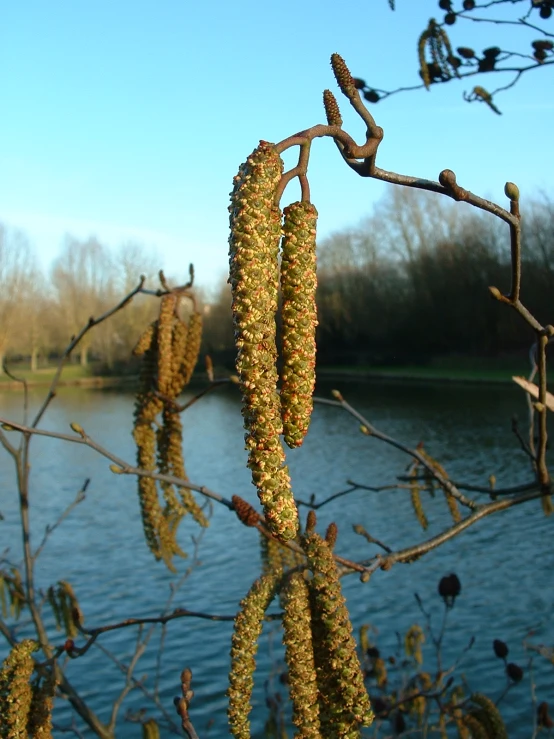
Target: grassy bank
72, 374
463, 369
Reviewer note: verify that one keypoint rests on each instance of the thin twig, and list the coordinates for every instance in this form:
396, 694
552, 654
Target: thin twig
50, 529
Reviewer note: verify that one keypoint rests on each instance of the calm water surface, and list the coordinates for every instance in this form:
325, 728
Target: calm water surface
505, 563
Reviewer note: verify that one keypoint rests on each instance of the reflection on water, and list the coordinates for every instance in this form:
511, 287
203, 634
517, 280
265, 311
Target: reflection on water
505, 563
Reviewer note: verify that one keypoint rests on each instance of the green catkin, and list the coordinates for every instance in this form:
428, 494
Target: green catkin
489, 716
255, 223
150, 729
15, 690
299, 313
453, 507
39, 724
344, 701
299, 657
170, 348
69, 608
145, 341
415, 497
476, 728
172, 462
276, 556
179, 348
166, 319
194, 339
244, 645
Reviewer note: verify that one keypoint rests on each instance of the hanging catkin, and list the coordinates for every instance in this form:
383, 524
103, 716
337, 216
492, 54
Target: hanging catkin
170, 348
244, 645
255, 223
15, 690
344, 701
299, 656
299, 313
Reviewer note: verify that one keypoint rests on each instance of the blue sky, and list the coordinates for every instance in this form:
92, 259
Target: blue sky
128, 120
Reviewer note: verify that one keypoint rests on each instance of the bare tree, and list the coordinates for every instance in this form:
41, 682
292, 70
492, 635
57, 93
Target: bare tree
82, 278
17, 280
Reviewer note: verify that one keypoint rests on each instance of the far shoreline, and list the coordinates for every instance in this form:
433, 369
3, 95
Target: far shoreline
407, 374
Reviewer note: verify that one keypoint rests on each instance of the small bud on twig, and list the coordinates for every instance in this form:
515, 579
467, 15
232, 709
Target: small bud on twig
511, 190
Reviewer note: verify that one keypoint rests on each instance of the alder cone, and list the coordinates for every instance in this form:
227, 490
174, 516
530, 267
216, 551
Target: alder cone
514, 672
500, 648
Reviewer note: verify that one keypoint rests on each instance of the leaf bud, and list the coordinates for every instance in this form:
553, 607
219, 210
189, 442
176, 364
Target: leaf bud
511, 190
495, 292
116, 469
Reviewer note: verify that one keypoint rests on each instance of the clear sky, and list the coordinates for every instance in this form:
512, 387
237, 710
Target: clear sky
128, 120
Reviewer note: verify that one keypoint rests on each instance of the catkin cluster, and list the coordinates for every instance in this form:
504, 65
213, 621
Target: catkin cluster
421, 479
65, 607
25, 708
435, 39
255, 221
170, 348
324, 674
11, 585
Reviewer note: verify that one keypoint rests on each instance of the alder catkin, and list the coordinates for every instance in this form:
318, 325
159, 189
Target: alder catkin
244, 645
194, 339
255, 223
39, 723
299, 657
489, 716
344, 700
15, 690
170, 348
299, 314
166, 319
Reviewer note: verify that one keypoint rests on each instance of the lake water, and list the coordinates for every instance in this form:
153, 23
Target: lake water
505, 563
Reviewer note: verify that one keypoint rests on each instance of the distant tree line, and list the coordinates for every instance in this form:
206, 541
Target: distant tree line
407, 285
410, 284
